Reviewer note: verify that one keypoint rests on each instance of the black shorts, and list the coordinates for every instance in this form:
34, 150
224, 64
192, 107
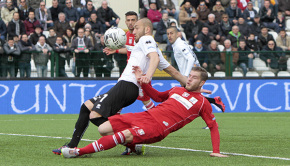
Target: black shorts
121, 95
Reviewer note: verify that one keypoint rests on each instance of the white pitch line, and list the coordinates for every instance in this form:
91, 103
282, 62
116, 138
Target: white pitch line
12, 120
161, 147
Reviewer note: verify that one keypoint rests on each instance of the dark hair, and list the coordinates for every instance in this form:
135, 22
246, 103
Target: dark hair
15, 13
203, 73
173, 27
131, 13
10, 38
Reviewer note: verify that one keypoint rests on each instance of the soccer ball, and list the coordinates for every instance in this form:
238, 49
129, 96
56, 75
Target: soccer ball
115, 38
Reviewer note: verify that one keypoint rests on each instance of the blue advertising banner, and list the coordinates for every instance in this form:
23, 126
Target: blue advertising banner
66, 96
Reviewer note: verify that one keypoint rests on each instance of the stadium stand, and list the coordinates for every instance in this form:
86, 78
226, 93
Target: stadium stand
260, 65
267, 74
252, 74
219, 74
283, 74
274, 34
237, 74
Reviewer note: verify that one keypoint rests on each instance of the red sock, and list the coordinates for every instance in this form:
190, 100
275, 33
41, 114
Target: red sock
104, 143
149, 105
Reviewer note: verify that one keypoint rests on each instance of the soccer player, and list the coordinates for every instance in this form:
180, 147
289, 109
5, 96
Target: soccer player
186, 59
180, 106
144, 54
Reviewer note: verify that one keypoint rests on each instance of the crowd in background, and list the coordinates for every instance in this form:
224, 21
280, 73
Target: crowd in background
78, 26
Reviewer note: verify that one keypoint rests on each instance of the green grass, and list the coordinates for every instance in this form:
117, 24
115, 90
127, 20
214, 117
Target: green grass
261, 134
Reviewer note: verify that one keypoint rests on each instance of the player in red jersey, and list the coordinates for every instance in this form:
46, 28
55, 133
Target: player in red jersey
131, 19
180, 106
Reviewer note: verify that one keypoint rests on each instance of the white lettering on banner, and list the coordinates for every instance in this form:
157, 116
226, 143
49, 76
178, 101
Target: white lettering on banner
174, 84
48, 89
83, 86
232, 107
258, 101
6, 88
36, 104
100, 89
248, 86
215, 88
287, 90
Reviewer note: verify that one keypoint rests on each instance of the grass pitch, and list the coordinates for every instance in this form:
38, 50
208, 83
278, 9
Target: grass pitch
259, 135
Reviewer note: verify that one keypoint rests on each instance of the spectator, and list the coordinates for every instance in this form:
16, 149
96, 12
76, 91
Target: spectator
2, 42
202, 11
242, 4
274, 56
214, 28
232, 51
106, 15
199, 50
61, 25
24, 10
55, 9
154, 15
235, 36
252, 43
283, 41
225, 3
264, 37
280, 21
226, 25
62, 3
218, 10
89, 34
71, 14
16, 26
210, 4
244, 27
80, 24
82, 46
160, 35
33, 3
41, 58
214, 64
144, 6
69, 36
193, 3
256, 26
267, 16
12, 50
62, 50
245, 57
25, 58
185, 14
249, 13
169, 7
3, 29
96, 25
205, 37
284, 6
30, 23
51, 39
234, 12
88, 10
103, 64
7, 12
193, 28
37, 33
43, 15
79, 4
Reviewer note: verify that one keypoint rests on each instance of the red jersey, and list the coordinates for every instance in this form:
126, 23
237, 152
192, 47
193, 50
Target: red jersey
179, 107
130, 43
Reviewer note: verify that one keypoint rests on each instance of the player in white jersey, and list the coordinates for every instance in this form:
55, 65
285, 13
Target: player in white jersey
125, 92
186, 59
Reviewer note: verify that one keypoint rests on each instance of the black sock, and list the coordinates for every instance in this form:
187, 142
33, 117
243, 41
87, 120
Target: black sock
211, 100
80, 127
98, 121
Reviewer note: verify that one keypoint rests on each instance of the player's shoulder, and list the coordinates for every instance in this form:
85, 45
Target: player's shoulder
147, 40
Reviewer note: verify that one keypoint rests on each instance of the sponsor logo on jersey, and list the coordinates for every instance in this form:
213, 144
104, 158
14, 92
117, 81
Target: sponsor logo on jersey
148, 42
141, 132
185, 94
101, 147
193, 100
98, 106
165, 123
182, 101
130, 40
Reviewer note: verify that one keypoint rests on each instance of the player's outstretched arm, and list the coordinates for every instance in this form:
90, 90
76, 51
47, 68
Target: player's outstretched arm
176, 74
154, 61
109, 51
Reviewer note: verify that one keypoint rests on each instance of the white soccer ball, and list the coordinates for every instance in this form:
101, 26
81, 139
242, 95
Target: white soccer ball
115, 38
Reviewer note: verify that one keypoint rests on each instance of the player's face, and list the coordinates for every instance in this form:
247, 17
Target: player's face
130, 21
194, 82
172, 35
139, 31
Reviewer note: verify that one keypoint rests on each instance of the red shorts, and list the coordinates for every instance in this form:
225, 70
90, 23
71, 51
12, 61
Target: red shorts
143, 95
143, 126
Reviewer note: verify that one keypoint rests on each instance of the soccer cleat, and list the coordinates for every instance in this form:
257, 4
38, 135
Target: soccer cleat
219, 103
58, 151
127, 151
140, 149
206, 128
70, 152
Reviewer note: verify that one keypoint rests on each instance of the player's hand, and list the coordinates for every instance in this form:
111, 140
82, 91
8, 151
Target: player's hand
145, 79
205, 91
138, 72
108, 51
218, 155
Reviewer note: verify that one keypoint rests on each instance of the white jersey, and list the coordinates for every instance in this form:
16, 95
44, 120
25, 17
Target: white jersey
139, 58
184, 56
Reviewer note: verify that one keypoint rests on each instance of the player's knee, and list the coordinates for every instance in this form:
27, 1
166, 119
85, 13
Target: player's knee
128, 135
105, 129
